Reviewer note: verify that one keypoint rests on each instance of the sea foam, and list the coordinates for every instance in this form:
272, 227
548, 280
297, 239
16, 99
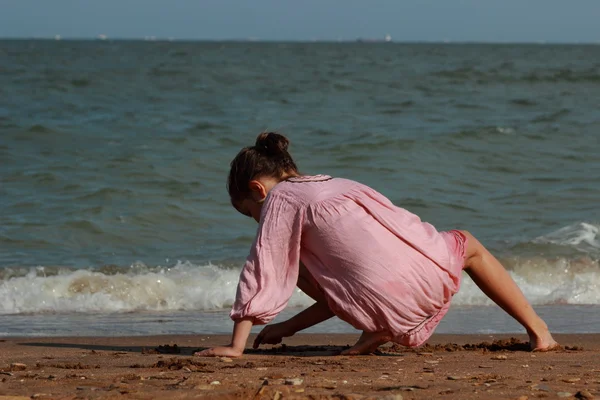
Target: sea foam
187, 287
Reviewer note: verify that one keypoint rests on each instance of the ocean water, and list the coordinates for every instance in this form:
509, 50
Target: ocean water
113, 158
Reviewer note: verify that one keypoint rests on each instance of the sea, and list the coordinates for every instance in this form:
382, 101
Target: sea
114, 214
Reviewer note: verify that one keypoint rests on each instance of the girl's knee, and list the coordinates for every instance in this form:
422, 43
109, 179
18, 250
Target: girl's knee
473, 249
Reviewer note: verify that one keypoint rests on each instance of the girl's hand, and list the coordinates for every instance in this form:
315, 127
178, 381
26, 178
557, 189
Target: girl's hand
225, 351
273, 334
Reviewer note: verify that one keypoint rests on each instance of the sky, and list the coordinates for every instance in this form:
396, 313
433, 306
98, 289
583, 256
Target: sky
405, 20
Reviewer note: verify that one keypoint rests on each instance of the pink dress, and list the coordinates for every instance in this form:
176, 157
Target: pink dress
379, 266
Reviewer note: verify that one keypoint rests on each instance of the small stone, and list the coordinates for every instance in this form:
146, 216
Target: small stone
500, 357
6, 373
564, 394
523, 397
294, 381
261, 368
425, 353
394, 396
431, 361
485, 366
277, 396
204, 387
571, 380
226, 359
454, 378
542, 387
215, 383
18, 367
584, 395
525, 366
38, 395
186, 369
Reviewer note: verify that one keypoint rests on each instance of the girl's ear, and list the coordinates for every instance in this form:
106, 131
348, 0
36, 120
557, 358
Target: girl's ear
259, 191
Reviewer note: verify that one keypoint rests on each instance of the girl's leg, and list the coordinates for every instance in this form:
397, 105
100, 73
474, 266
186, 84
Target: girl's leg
491, 277
307, 285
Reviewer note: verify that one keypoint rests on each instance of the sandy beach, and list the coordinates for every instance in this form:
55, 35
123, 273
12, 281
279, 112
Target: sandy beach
162, 367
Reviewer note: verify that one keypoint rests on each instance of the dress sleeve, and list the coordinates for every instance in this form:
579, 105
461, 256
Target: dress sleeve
270, 273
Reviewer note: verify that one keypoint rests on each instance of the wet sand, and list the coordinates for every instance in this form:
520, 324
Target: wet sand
152, 367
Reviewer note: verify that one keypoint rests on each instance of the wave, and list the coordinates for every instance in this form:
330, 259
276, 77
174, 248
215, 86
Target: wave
190, 287
182, 287
583, 237
501, 75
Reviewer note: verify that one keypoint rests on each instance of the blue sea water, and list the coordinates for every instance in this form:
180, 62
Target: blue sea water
114, 155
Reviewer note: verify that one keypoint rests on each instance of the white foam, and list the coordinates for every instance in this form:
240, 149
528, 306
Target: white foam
189, 287
544, 281
184, 286
582, 236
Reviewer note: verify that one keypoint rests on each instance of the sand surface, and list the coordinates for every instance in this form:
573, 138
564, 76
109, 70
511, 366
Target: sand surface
448, 367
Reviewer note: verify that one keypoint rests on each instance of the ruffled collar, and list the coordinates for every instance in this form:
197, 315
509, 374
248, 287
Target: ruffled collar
309, 178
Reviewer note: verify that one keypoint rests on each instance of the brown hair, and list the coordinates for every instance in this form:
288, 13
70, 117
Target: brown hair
268, 157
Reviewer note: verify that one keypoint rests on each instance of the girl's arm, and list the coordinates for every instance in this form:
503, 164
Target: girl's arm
241, 331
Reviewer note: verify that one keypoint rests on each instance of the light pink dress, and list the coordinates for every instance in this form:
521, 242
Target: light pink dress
379, 266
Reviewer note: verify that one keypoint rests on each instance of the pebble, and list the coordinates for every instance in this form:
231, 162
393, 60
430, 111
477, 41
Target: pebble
584, 395
18, 367
204, 387
499, 357
215, 383
392, 397
294, 381
431, 361
226, 359
571, 380
542, 387
38, 395
564, 394
454, 378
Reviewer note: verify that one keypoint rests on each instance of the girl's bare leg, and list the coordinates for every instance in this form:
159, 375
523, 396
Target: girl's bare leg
491, 277
305, 283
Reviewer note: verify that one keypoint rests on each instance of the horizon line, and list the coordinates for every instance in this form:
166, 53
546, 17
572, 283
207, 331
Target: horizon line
366, 40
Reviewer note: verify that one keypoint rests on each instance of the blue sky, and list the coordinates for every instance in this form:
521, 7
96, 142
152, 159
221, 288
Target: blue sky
404, 20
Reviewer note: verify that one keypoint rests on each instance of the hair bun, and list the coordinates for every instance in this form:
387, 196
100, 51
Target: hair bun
272, 144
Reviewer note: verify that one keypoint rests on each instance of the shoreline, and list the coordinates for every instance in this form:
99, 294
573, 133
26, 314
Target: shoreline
147, 367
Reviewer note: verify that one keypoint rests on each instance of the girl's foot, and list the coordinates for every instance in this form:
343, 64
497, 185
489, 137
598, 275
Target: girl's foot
544, 342
368, 343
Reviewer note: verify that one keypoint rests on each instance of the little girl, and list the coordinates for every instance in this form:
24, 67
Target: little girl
370, 263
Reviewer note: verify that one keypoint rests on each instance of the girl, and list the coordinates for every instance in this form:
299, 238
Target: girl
372, 264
